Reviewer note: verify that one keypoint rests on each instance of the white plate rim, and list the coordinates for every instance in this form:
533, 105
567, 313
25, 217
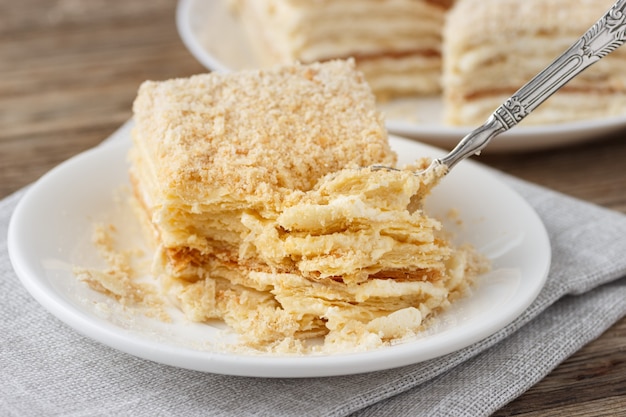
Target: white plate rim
247, 365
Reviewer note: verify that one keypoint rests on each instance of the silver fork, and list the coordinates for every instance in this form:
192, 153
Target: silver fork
606, 35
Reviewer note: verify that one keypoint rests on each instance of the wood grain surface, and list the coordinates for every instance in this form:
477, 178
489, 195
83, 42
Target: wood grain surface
70, 69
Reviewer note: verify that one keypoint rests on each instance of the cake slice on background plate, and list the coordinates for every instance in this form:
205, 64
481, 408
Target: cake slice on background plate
493, 47
396, 43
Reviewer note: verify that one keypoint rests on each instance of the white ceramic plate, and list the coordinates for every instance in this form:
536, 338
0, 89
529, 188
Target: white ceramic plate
50, 233
218, 41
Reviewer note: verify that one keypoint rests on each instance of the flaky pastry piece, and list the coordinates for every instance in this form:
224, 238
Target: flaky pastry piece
488, 55
346, 260
255, 190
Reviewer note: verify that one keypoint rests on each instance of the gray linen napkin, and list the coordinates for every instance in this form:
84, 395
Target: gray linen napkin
49, 369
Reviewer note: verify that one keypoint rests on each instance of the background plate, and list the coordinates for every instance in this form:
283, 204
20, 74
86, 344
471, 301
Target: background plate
219, 43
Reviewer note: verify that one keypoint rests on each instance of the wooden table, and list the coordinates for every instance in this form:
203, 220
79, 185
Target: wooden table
69, 71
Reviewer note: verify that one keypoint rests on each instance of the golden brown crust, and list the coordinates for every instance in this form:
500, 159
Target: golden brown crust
253, 134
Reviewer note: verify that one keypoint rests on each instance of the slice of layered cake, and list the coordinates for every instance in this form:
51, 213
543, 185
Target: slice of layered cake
396, 43
256, 190
493, 47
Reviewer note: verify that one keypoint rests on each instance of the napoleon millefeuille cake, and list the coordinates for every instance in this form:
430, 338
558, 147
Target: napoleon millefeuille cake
493, 47
258, 194
396, 43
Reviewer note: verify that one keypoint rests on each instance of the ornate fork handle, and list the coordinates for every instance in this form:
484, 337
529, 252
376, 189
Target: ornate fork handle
606, 35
